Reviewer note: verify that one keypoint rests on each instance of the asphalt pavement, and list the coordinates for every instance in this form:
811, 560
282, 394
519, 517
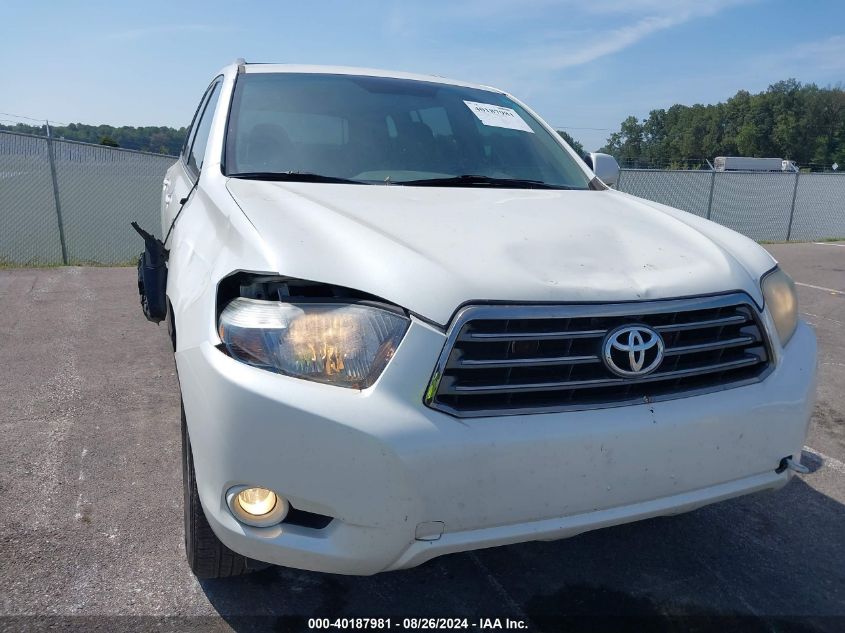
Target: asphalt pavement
91, 524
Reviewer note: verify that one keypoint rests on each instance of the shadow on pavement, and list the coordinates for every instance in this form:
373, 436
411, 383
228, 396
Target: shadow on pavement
769, 562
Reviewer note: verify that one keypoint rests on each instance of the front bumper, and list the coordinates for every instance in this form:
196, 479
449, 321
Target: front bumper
390, 470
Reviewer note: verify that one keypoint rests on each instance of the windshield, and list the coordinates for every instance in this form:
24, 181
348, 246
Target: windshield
336, 128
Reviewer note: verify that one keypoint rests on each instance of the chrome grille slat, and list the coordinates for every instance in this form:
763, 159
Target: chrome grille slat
593, 384
706, 347
509, 359
699, 325
528, 362
512, 336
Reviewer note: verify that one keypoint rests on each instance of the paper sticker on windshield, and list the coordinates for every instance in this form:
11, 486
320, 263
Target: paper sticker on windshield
498, 116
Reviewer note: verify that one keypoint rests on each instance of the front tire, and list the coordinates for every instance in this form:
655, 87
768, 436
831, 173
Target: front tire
207, 556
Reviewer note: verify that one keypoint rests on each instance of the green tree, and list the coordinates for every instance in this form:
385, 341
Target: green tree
748, 140
578, 147
163, 140
109, 141
627, 144
792, 120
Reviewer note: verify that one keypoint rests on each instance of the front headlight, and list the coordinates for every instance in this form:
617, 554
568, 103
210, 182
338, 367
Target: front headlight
779, 294
342, 344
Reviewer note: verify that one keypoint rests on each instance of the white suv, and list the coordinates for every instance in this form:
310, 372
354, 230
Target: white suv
409, 320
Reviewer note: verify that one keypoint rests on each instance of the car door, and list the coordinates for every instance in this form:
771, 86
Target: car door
182, 176
176, 172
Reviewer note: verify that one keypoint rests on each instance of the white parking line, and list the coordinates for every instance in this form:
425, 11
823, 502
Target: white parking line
831, 462
830, 290
829, 244
80, 500
816, 316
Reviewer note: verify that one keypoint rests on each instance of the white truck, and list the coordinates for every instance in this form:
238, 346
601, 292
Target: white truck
747, 163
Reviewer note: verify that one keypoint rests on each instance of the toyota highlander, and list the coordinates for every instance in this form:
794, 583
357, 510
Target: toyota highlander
409, 320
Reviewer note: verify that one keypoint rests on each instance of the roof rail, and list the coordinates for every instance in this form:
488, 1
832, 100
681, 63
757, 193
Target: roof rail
241, 62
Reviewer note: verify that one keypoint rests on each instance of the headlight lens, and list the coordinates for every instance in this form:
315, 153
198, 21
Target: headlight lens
779, 294
342, 344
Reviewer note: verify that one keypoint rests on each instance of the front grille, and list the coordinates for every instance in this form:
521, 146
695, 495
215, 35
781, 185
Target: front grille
501, 359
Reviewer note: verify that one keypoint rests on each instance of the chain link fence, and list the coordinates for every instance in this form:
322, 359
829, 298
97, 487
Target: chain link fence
29, 231
64, 202
765, 206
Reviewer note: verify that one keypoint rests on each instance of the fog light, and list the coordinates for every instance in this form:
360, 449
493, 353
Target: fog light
256, 506
257, 501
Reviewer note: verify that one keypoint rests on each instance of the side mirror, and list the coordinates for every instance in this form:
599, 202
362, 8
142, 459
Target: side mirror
605, 167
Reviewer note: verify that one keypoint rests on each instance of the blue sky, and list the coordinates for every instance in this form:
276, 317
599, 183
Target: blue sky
579, 64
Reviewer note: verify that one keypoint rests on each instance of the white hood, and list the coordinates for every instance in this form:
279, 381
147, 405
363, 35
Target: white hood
432, 249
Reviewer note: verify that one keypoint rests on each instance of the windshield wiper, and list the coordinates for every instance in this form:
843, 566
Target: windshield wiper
294, 176
473, 180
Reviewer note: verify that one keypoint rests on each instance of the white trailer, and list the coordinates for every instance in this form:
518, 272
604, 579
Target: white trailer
747, 163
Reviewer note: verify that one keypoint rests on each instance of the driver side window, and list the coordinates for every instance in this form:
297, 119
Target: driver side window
198, 138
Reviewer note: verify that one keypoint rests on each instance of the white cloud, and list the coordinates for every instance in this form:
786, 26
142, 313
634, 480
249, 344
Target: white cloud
164, 29
607, 42
601, 43
638, 7
548, 35
825, 56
